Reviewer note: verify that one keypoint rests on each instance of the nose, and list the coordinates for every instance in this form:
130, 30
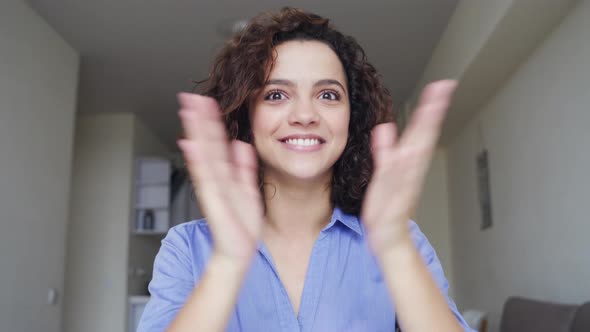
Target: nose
303, 114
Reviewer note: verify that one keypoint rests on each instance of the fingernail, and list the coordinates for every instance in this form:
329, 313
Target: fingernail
180, 97
181, 144
185, 99
449, 85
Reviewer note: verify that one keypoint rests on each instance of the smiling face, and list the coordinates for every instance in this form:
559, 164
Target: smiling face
300, 118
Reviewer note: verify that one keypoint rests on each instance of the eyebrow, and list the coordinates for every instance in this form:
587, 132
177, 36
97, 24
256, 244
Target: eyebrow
321, 82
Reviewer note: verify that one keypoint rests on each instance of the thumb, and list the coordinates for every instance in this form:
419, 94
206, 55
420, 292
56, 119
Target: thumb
245, 163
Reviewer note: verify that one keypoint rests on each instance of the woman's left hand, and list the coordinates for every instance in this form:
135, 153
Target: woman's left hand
400, 166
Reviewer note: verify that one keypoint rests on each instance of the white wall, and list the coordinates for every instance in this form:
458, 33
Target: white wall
432, 213
479, 34
468, 30
98, 239
38, 79
100, 246
536, 129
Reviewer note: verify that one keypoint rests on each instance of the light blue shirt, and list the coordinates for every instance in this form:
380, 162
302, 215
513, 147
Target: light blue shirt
344, 289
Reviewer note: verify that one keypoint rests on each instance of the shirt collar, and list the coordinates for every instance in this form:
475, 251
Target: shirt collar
347, 220
338, 215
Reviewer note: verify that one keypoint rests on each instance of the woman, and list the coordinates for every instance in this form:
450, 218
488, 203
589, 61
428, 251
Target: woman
307, 217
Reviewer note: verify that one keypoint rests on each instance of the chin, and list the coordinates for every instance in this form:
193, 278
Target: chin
300, 168
306, 173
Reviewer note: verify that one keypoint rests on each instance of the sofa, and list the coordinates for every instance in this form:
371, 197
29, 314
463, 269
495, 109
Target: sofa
527, 315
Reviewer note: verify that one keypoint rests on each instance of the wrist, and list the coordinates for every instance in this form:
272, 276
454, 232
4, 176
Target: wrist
226, 265
399, 253
389, 237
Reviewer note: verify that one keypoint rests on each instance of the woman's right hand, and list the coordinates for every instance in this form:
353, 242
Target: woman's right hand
224, 175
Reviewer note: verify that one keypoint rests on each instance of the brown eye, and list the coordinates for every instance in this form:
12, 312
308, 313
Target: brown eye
330, 95
274, 95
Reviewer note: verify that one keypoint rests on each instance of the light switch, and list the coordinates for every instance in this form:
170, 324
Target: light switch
52, 296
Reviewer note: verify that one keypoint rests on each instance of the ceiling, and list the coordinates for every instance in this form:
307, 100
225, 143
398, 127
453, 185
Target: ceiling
137, 54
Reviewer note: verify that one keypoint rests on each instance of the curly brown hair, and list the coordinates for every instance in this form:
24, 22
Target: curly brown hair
241, 69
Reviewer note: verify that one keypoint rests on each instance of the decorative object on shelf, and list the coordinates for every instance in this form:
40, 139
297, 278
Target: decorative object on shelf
148, 219
483, 181
483, 185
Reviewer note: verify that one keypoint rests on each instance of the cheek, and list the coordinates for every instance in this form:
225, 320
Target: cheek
256, 123
263, 123
340, 126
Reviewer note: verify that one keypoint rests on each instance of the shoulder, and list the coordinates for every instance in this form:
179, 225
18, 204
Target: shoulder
188, 231
418, 238
191, 240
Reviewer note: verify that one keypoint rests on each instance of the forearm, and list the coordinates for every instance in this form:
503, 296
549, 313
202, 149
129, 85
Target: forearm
212, 301
420, 305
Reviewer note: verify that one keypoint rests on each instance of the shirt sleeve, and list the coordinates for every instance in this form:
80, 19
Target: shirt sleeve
434, 266
172, 282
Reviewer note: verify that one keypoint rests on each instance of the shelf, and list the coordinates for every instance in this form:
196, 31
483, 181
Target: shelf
148, 232
152, 184
139, 207
139, 299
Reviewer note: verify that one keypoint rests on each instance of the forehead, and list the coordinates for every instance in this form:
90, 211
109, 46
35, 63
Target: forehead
303, 60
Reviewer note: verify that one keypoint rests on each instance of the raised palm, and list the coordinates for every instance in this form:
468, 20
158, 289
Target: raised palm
400, 166
224, 174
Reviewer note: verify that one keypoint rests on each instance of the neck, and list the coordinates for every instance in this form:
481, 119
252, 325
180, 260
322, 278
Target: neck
297, 208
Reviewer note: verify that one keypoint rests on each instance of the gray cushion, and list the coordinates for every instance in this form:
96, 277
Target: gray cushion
582, 320
524, 315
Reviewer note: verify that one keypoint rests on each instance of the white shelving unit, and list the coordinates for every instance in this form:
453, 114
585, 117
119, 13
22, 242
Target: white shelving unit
152, 196
154, 178
148, 232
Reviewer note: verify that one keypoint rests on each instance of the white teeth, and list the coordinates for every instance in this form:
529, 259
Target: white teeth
303, 141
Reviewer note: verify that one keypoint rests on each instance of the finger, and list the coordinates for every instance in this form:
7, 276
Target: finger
206, 179
384, 135
426, 122
244, 160
194, 106
203, 129
201, 120
246, 201
383, 139
196, 160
